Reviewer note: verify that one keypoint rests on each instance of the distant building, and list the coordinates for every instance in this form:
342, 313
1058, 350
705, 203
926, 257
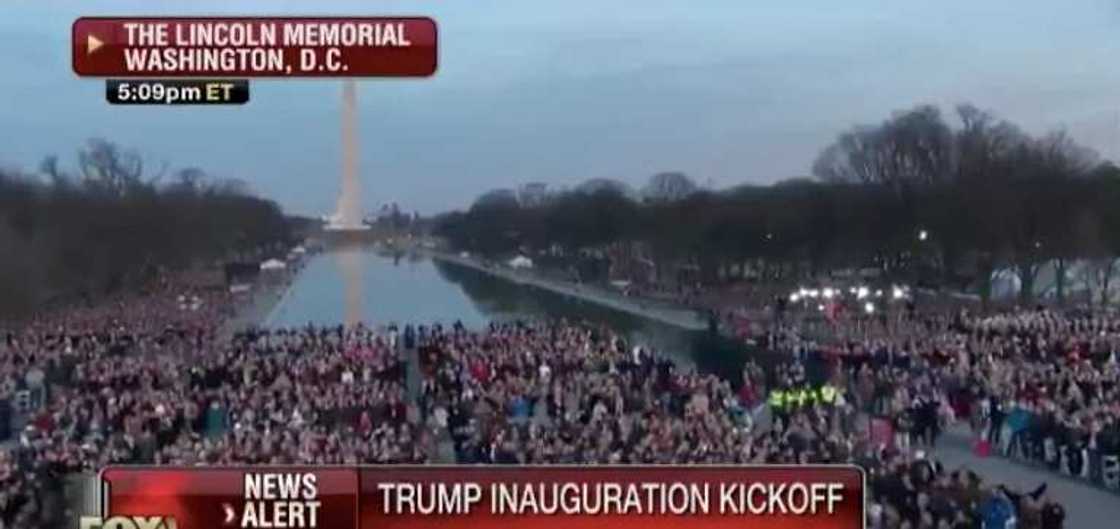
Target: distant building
388, 212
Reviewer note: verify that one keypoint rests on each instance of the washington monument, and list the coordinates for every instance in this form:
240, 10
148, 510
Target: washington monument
348, 214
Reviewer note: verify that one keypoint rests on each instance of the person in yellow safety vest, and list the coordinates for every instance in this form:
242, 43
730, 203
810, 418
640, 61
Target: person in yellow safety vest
777, 399
800, 396
828, 394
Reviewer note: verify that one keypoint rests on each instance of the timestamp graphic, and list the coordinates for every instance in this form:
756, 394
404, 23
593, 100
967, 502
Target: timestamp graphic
177, 91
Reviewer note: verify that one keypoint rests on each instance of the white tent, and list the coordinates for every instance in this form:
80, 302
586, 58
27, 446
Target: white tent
521, 262
299, 250
273, 264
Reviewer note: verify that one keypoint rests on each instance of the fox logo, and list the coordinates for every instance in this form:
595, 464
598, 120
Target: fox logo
128, 522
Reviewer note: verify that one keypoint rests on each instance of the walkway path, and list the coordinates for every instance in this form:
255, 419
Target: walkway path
266, 298
412, 375
682, 317
1087, 507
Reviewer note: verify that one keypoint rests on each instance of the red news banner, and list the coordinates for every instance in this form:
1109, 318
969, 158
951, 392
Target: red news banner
255, 47
660, 497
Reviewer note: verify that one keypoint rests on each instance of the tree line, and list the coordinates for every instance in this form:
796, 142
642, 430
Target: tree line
67, 236
940, 201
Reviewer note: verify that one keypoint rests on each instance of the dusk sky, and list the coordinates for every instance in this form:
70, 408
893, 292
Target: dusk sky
560, 92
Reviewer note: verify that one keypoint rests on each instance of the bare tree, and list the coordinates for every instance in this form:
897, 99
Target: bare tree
106, 166
669, 187
111, 231
911, 149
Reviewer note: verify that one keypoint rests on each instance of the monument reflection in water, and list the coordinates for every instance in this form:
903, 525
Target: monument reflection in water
350, 265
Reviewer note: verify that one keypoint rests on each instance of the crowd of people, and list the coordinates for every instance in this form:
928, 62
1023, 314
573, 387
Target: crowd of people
40, 358
1038, 385
522, 393
1053, 389
151, 378
556, 393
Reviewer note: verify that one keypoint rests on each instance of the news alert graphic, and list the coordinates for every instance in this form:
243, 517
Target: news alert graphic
214, 498
434, 497
254, 47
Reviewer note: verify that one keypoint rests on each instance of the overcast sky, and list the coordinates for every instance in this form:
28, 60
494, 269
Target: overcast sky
565, 91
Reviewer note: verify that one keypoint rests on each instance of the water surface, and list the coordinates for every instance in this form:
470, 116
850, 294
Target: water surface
360, 284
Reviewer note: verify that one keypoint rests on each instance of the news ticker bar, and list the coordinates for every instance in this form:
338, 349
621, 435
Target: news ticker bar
431, 497
254, 47
177, 91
